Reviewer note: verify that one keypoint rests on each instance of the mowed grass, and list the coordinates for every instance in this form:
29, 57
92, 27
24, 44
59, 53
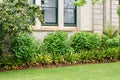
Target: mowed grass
109, 71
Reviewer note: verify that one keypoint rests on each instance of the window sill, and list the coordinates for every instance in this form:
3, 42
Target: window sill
54, 28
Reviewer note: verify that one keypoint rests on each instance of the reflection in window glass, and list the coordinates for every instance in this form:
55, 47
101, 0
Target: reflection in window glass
49, 9
69, 12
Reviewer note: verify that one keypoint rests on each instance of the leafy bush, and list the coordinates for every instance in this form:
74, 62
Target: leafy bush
56, 42
103, 55
113, 42
23, 47
84, 40
104, 38
16, 16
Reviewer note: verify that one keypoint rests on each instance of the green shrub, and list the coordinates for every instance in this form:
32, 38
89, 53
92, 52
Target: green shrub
111, 54
104, 38
56, 43
23, 47
113, 42
102, 55
83, 40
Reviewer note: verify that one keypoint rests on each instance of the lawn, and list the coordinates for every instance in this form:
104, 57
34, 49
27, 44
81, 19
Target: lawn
109, 71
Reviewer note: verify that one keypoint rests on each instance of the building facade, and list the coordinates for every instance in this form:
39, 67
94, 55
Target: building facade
62, 15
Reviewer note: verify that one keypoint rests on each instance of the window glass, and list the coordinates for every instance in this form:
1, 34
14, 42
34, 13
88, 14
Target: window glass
32, 1
49, 15
69, 12
69, 16
49, 9
48, 3
68, 4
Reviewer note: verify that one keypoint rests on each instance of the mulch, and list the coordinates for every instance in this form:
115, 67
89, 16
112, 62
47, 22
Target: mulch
44, 66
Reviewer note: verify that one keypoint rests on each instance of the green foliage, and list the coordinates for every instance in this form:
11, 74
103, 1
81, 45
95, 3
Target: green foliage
7, 62
118, 10
104, 38
56, 43
23, 47
57, 58
97, 56
84, 40
71, 57
113, 42
85, 56
16, 16
111, 31
83, 2
80, 2
44, 59
1, 47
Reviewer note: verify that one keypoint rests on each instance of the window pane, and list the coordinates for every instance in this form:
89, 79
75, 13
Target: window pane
48, 3
32, 1
69, 16
69, 12
49, 9
49, 15
68, 4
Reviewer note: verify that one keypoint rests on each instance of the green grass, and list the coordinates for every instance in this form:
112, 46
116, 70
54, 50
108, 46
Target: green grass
110, 71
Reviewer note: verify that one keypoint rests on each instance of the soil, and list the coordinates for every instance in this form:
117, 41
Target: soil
41, 66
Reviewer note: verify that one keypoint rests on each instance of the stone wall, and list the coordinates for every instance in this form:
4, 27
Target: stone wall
98, 17
114, 16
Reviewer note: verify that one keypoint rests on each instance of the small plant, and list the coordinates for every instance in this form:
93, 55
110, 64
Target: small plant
57, 58
111, 31
85, 41
44, 59
71, 58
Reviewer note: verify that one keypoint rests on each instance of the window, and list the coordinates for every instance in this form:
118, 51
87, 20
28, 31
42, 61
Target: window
49, 9
69, 13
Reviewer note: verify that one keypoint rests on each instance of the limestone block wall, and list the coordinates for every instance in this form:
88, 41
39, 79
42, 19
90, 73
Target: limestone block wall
114, 16
98, 17
104, 15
